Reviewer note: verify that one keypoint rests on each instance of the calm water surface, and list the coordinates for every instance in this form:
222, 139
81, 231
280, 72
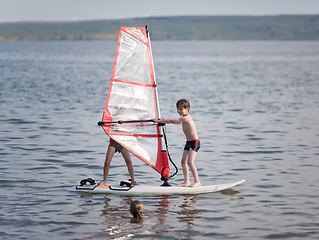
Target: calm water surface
256, 106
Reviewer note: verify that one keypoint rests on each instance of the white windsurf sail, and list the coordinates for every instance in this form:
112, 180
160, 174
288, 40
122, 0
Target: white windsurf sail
132, 101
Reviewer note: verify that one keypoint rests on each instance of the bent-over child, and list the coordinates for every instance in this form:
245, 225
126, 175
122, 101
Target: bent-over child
112, 149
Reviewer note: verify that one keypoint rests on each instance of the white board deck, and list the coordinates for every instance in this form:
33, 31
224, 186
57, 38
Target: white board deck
146, 190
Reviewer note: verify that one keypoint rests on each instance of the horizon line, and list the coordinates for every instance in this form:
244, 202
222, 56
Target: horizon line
163, 16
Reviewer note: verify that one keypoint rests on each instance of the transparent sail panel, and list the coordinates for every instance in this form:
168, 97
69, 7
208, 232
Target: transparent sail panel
145, 148
137, 33
132, 62
131, 102
138, 129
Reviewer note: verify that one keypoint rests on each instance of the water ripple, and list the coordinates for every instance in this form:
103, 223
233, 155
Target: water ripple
255, 105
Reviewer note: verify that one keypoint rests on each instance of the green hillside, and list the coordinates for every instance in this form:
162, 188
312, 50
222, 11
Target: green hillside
281, 27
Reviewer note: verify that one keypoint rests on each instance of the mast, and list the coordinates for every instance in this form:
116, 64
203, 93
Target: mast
156, 91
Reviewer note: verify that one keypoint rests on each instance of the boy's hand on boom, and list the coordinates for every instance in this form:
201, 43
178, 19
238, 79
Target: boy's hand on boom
158, 121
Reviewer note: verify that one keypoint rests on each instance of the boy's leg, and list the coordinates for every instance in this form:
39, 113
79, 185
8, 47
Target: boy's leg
108, 158
127, 157
191, 158
185, 170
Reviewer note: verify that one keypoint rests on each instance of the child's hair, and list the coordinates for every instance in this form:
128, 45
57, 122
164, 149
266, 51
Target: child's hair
184, 103
137, 209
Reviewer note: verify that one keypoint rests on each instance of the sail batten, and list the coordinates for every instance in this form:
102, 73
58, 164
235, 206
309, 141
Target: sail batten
132, 100
134, 83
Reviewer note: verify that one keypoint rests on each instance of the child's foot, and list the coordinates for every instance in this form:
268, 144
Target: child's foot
195, 184
104, 182
184, 184
134, 183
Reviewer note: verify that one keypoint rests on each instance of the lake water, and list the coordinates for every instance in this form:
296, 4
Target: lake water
256, 107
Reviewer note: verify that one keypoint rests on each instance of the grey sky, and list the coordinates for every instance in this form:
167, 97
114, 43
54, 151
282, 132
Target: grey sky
65, 10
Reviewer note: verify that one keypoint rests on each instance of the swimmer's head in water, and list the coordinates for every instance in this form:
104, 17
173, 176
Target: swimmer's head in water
137, 209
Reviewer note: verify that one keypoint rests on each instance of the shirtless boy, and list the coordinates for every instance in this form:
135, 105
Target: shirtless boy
192, 141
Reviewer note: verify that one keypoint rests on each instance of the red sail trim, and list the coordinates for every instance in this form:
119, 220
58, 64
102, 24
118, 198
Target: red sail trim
136, 135
133, 36
133, 83
107, 115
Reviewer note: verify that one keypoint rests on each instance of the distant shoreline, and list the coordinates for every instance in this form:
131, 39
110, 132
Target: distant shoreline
273, 27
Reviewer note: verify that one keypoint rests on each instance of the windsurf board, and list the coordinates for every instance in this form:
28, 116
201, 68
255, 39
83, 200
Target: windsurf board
147, 190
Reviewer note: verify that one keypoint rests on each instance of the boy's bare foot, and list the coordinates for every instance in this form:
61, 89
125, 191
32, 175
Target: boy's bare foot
195, 184
183, 184
103, 183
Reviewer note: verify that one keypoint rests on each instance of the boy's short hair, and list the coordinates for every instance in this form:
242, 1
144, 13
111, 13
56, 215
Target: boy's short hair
184, 103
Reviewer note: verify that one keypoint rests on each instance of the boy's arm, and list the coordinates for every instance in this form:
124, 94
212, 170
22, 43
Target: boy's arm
172, 121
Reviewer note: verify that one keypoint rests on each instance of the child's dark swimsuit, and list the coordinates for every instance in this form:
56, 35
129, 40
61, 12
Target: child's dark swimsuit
118, 147
194, 144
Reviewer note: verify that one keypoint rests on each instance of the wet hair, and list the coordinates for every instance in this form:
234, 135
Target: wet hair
137, 209
184, 103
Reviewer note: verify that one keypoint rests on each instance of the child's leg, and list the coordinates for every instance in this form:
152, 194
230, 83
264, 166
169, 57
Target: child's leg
127, 157
108, 158
185, 170
190, 162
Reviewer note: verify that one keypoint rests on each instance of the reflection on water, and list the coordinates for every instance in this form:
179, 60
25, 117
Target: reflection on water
117, 222
157, 220
190, 212
232, 192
